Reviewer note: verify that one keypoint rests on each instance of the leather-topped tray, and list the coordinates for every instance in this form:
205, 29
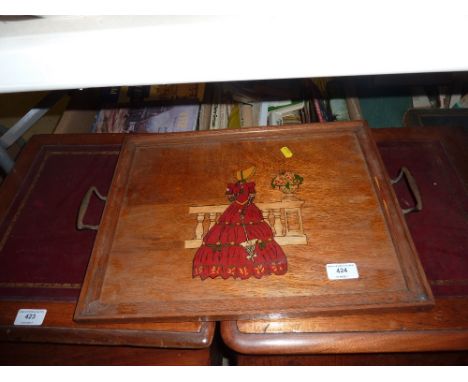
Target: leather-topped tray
43, 257
251, 223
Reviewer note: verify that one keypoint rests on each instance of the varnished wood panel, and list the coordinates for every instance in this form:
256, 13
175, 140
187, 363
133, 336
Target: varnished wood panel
141, 267
442, 328
388, 359
59, 327
34, 354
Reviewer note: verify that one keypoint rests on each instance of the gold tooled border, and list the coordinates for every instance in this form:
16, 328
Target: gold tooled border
454, 282
41, 285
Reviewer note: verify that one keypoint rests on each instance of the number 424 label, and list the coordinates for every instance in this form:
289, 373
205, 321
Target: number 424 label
342, 271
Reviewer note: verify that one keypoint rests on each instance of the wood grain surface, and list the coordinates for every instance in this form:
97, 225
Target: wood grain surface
442, 328
141, 270
383, 359
36, 354
59, 327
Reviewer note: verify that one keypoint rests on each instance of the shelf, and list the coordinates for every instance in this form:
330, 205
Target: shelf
68, 52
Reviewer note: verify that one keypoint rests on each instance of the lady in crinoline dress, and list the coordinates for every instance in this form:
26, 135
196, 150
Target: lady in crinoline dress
241, 243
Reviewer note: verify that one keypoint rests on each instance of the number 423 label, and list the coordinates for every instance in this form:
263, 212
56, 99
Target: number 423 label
342, 271
30, 317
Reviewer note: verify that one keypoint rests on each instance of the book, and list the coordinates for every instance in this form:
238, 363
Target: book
204, 116
247, 104
158, 93
286, 113
148, 119
337, 101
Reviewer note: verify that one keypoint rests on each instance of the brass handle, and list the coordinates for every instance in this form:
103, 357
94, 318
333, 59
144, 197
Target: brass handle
84, 208
413, 188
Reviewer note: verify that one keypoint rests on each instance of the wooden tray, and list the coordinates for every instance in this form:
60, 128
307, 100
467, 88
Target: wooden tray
168, 192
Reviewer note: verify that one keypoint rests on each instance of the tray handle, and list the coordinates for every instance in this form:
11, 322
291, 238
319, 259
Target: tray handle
413, 187
84, 208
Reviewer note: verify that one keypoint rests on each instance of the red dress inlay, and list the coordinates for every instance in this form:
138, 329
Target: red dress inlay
224, 250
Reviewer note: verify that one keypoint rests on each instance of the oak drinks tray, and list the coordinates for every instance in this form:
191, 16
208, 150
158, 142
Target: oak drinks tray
254, 223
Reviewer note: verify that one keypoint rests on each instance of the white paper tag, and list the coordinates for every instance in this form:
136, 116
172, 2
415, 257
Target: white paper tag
30, 317
342, 271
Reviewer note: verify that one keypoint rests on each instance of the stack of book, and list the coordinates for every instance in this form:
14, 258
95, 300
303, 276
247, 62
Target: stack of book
149, 109
189, 107
262, 103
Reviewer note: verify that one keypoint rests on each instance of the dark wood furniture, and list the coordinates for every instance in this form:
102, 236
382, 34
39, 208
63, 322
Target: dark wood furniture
438, 158
430, 336
59, 354
436, 117
39, 203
